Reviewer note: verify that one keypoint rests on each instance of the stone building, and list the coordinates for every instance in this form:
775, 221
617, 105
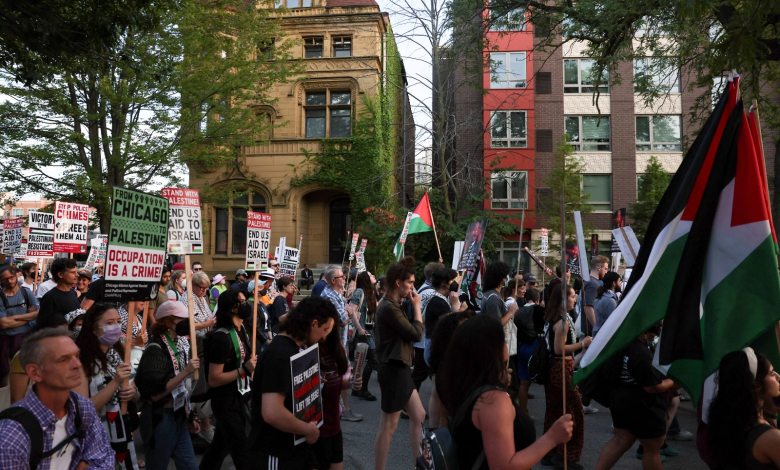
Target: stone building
349, 54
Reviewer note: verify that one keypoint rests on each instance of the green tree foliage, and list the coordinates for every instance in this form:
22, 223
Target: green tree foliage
651, 187
565, 177
185, 91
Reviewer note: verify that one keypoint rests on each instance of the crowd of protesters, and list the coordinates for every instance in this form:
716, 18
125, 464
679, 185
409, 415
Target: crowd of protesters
62, 358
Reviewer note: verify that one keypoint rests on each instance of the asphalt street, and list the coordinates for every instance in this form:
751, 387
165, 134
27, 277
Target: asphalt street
359, 437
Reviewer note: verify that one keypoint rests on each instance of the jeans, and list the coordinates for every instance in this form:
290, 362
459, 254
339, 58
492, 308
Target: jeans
371, 363
171, 441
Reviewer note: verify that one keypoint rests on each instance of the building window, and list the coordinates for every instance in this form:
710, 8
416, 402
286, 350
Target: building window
342, 46
599, 189
509, 190
313, 47
294, 3
265, 50
17, 212
579, 76
661, 133
321, 105
513, 20
231, 221
204, 120
508, 129
588, 133
506, 251
508, 70
653, 73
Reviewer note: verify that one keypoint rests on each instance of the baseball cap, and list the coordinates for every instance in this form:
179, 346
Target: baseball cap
171, 308
530, 278
86, 273
241, 272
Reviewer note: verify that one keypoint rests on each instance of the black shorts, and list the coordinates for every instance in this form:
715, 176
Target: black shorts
329, 450
640, 413
303, 460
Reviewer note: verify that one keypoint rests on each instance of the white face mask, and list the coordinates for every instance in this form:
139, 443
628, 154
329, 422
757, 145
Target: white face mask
183, 283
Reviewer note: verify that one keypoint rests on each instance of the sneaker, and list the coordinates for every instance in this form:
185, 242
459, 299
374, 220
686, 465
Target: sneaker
681, 436
557, 460
207, 435
640, 455
350, 415
590, 409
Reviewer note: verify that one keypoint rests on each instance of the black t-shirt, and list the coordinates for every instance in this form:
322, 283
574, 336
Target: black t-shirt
59, 302
278, 308
221, 351
636, 372
274, 375
95, 291
436, 309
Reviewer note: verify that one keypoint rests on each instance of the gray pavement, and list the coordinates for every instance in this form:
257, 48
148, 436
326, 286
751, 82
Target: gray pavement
359, 437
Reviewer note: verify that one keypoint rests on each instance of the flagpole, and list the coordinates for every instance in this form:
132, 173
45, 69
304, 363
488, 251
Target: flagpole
430, 211
519, 250
346, 247
564, 289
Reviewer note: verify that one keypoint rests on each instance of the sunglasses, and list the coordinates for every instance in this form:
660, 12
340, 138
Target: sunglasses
274, 265
197, 269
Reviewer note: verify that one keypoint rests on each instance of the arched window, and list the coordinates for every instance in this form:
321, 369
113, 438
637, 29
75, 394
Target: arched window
230, 224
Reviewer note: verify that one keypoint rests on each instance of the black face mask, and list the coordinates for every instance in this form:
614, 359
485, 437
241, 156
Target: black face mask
244, 311
182, 328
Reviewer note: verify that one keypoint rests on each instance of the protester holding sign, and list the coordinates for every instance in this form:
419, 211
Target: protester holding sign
203, 318
228, 354
124, 315
274, 425
161, 376
395, 353
365, 298
62, 299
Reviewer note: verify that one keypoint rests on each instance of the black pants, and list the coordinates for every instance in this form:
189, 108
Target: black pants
305, 282
230, 436
371, 363
420, 371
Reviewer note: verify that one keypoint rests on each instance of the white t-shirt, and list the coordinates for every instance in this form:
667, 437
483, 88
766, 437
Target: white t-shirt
61, 459
44, 288
24, 284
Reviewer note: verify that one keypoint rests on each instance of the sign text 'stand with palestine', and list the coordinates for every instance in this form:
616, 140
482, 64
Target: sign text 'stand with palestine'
137, 241
71, 226
185, 233
12, 235
258, 240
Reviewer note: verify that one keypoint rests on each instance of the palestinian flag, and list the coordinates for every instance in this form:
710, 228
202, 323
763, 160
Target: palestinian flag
708, 266
422, 221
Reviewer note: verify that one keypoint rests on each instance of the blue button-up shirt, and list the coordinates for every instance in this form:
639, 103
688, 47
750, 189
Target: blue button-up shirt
94, 448
340, 303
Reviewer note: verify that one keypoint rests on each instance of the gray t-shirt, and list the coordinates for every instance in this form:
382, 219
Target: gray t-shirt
589, 291
604, 308
17, 305
492, 305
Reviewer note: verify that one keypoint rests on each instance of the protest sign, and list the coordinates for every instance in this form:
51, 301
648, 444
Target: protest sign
583, 255
97, 252
185, 233
405, 231
628, 243
594, 245
40, 239
355, 237
573, 259
457, 251
545, 251
361, 260
306, 397
12, 235
258, 240
536, 260
71, 226
137, 240
288, 265
21, 255
474, 235
618, 220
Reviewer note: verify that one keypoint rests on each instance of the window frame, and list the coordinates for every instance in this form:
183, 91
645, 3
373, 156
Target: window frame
652, 143
580, 143
507, 16
595, 203
655, 79
340, 41
494, 84
509, 176
329, 108
307, 46
509, 139
17, 212
580, 88
228, 209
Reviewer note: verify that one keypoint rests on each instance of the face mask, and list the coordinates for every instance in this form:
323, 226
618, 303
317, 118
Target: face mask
74, 333
183, 283
111, 334
20, 279
182, 328
244, 311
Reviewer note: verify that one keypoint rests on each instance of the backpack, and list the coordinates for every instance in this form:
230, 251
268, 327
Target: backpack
539, 362
26, 303
34, 431
438, 445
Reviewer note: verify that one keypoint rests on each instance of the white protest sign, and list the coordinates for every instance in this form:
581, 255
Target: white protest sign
405, 231
97, 252
22, 253
279, 249
185, 233
628, 243
545, 251
258, 240
12, 235
456, 252
361, 260
71, 225
40, 239
355, 237
288, 265
584, 270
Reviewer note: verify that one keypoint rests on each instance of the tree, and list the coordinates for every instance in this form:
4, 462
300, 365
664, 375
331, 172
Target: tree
651, 187
187, 91
566, 177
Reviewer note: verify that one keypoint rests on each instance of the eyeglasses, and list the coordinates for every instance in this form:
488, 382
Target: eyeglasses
274, 265
197, 269
195, 286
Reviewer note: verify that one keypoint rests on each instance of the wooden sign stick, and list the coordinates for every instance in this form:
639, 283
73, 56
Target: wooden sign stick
191, 310
128, 345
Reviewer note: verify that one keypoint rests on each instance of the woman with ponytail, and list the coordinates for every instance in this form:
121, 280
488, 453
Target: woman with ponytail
738, 436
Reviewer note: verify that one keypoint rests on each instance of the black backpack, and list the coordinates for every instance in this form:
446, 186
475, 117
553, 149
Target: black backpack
24, 293
438, 445
599, 384
34, 431
539, 362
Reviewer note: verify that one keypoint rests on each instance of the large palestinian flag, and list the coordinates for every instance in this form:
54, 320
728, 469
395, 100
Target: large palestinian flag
422, 221
708, 266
